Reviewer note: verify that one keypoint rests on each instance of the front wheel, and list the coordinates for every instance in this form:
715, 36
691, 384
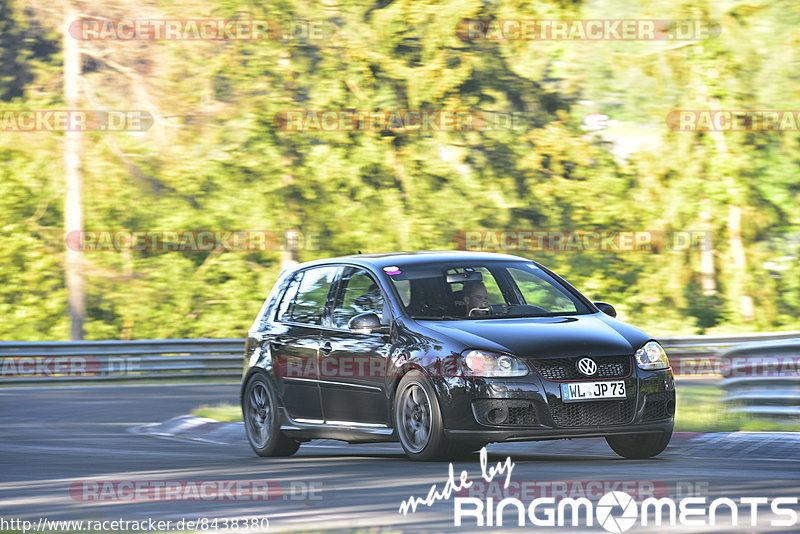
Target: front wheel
261, 420
419, 424
639, 446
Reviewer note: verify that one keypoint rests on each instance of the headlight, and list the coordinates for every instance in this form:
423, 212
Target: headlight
651, 357
490, 364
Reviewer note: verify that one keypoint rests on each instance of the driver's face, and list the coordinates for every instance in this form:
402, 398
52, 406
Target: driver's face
478, 298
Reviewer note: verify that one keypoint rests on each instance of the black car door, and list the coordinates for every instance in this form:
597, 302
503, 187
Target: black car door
294, 342
353, 366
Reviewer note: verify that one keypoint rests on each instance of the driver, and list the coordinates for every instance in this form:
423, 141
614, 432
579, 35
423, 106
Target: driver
475, 296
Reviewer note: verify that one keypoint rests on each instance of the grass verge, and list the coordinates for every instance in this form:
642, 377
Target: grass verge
220, 412
700, 409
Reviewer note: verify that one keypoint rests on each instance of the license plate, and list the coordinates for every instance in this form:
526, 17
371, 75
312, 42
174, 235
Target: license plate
586, 391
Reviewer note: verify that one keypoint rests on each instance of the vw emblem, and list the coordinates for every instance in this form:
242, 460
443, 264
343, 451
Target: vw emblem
587, 366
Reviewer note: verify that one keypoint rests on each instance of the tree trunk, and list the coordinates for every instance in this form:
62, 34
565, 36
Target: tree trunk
739, 263
290, 251
73, 209
708, 276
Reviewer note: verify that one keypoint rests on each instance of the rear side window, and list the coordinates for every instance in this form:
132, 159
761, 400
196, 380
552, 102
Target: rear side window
285, 309
305, 297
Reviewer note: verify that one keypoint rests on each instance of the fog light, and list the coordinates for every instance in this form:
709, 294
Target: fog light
497, 416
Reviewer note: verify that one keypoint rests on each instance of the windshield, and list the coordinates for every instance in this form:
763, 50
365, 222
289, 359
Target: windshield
482, 290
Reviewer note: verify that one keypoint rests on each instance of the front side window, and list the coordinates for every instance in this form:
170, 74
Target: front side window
493, 289
306, 296
358, 293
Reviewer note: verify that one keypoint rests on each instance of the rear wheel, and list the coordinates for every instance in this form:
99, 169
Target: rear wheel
261, 421
639, 446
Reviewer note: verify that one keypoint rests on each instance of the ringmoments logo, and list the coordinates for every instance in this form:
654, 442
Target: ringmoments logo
605, 511
617, 511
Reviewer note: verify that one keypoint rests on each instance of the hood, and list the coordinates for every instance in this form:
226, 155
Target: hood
545, 337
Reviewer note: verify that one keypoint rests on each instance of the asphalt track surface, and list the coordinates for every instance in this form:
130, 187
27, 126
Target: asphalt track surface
52, 439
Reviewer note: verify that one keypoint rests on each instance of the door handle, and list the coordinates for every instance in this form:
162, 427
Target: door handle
326, 349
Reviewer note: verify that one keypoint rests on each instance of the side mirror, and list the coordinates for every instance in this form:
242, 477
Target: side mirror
606, 308
367, 323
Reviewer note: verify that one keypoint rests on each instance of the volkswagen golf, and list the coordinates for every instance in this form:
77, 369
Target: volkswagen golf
446, 352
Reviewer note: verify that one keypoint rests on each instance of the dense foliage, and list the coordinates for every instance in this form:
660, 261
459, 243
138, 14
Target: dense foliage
217, 159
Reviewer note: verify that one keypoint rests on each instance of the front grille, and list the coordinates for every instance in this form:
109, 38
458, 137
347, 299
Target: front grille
592, 413
504, 412
659, 405
566, 368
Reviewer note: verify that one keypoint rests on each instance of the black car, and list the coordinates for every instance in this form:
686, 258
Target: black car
446, 352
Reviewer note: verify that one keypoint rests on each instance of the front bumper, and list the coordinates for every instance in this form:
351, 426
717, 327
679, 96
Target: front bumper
531, 408
541, 434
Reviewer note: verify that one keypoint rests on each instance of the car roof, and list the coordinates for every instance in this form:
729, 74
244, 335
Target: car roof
411, 258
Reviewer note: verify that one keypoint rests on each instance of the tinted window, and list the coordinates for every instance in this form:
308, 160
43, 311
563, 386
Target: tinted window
310, 297
462, 292
404, 290
493, 289
284, 311
540, 292
359, 293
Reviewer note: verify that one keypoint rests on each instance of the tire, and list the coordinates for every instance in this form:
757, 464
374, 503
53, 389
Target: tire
262, 421
639, 446
419, 424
